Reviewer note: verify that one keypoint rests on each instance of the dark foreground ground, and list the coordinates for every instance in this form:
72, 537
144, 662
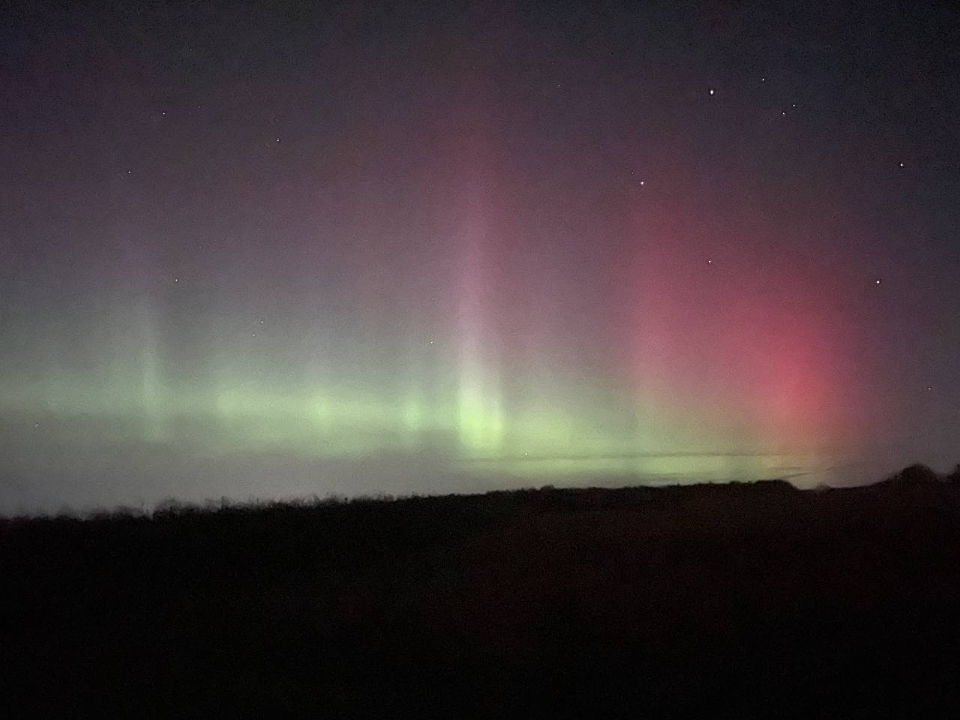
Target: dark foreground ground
552, 603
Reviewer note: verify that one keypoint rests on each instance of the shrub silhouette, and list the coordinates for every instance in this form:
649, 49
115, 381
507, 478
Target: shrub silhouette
916, 474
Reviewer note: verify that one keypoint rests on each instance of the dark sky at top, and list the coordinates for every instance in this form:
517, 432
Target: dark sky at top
361, 246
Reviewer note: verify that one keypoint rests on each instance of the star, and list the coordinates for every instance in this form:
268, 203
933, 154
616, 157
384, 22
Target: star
877, 281
711, 91
901, 164
709, 262
176, 280
641, 182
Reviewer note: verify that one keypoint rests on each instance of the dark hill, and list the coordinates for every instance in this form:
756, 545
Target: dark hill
914, 475
557, 603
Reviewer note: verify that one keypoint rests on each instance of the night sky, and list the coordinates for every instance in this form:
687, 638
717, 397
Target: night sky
266, 249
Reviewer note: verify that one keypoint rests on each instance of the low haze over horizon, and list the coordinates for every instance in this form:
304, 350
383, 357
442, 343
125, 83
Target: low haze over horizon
272, 249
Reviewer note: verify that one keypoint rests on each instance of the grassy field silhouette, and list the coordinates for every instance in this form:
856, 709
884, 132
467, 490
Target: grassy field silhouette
563, 603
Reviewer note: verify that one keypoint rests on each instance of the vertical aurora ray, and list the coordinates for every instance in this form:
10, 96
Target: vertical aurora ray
151, 389
480, 421
316, 385
413, 412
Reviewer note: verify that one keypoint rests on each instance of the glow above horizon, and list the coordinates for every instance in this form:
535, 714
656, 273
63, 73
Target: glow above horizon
715, 377
329, 251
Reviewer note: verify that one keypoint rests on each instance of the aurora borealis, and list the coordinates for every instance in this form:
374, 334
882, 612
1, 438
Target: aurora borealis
369, 247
